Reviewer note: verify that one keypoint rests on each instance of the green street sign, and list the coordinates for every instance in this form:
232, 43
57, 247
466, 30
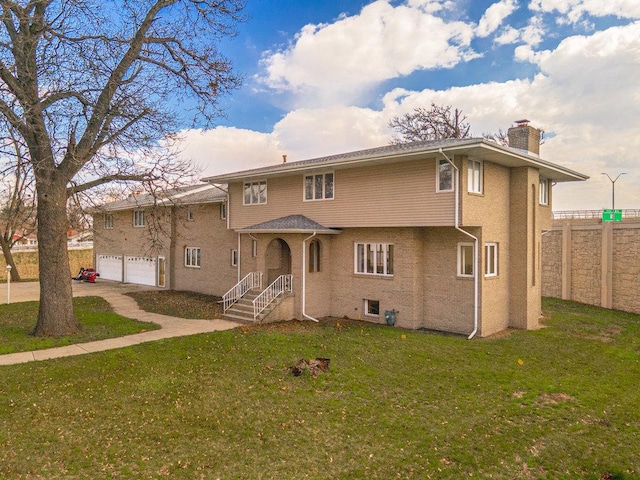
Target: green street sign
610, 215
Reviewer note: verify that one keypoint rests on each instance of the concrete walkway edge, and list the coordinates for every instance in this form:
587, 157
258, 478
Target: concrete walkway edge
114, 293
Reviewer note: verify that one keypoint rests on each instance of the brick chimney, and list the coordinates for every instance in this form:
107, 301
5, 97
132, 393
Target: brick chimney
524, 137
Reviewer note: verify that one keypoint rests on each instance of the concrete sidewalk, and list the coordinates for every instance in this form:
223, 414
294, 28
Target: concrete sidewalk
114, 293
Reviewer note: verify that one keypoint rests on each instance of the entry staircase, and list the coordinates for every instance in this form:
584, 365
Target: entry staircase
246, 302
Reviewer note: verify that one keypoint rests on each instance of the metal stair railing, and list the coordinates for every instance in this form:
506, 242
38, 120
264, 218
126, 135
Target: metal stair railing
284, 283
250, 281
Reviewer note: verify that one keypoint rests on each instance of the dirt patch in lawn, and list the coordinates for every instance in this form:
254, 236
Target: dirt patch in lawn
179, 304
554, 398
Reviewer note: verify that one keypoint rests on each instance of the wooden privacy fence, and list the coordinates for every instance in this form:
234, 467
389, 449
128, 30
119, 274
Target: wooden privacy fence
592, 262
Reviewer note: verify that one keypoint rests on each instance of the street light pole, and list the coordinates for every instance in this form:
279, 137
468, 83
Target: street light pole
613, 188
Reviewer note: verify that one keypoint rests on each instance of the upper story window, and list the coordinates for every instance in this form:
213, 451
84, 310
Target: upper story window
491, 259
138, 218
466, 260
318, 186
223, 211
192, 257
374, 258
190, 214
474, 176
445, 176
544, 191
108, 220
255, 193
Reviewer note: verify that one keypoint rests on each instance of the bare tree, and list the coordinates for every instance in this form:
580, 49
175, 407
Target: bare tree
501, 138
94, 88
436, 123
17, 205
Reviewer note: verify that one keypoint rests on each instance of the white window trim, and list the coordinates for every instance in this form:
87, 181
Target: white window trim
461, 262
366, 308
313, 175
472, 182
367, 245
254, 247
138, 218
544, 191
493, 271
257, 182
191, 253
162, 279
223, 207
108, 221
234, 257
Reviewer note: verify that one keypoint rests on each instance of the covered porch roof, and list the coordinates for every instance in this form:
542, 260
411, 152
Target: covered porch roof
289, 224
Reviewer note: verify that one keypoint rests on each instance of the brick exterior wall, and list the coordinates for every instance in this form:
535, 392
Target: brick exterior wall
593, 262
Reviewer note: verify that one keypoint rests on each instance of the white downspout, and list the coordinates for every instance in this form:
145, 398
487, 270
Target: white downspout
475, 247
304, 278
238, 259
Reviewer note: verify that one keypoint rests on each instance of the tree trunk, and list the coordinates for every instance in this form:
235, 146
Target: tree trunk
55, 317
8, 258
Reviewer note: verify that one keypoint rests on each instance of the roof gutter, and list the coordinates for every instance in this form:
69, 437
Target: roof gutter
304, 278
475, 245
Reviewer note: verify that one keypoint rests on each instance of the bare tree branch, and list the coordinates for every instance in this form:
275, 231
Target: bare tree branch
437, 123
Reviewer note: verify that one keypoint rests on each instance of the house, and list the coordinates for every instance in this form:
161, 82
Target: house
178, 240
445, 234
441, 235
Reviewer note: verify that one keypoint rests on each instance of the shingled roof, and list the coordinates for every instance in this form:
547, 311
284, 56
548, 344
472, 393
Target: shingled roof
190, 195
480, 148
289, 224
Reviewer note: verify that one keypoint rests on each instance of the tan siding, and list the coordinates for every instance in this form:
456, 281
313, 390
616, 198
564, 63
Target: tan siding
398, 194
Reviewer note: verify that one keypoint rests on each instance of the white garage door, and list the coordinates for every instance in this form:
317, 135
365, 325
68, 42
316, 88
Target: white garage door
140, 270
109, 267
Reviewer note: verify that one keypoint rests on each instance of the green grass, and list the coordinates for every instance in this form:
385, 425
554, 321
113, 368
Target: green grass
558, 403
179, 304
98, 320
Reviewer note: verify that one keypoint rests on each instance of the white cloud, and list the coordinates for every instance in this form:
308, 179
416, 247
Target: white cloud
229, 149
574, 10
508, 35
494, 16
309, 133
339, 61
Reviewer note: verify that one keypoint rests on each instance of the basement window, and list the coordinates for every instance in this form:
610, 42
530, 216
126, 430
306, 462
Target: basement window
372, 308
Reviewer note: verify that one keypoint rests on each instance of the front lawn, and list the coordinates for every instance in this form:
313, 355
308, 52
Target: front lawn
98, 320
558, 403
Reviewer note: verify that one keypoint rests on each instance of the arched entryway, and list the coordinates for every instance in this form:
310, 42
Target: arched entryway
277, 260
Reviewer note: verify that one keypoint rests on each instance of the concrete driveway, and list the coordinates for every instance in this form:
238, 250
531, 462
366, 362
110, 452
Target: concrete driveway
112, 292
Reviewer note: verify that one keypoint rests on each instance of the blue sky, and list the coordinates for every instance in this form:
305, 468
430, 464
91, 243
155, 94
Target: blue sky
326, 76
